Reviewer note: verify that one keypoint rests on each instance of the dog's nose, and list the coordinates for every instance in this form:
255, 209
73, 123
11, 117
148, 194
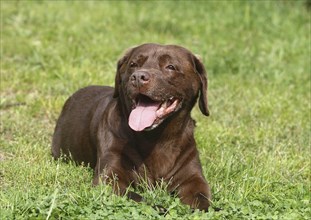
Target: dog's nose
140, 78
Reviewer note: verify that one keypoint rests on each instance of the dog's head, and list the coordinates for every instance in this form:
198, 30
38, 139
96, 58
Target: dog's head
156, 81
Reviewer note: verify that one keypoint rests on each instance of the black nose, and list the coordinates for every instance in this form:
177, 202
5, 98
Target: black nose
140, 78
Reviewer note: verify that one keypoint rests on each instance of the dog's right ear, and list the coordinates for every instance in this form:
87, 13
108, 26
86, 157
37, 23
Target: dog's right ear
120, 68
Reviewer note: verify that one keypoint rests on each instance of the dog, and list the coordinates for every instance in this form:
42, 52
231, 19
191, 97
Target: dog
142, 127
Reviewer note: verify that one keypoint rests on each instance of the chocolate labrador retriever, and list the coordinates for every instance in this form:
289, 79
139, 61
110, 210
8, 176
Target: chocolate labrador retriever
142, 127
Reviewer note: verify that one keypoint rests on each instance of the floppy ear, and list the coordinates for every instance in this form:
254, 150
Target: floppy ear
200, 69
120, 63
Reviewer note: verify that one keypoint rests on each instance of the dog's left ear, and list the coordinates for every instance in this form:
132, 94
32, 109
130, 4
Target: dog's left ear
120, 65
200, 69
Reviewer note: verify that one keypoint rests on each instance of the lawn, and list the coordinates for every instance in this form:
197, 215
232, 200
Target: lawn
254, 148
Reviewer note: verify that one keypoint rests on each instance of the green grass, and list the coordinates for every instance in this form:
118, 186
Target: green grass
254, 148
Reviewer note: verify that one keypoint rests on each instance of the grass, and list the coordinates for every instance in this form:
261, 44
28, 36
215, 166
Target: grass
254, 148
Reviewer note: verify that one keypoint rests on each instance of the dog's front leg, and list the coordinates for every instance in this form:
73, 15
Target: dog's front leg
195, 192
117, 178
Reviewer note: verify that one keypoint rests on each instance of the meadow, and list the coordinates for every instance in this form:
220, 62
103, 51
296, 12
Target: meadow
254, 147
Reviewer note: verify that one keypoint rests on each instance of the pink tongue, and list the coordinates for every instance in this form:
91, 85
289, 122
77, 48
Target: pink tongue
143, 116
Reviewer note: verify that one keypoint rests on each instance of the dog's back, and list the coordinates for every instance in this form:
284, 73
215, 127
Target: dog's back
74, 130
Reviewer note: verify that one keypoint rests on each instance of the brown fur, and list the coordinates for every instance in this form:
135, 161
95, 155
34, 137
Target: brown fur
93, 126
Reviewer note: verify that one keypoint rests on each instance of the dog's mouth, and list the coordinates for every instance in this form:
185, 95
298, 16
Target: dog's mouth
147, 113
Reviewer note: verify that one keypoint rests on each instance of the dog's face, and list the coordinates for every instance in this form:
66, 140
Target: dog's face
156, 81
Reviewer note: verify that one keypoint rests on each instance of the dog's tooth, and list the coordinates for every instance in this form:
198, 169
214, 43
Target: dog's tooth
170, 101
164, 104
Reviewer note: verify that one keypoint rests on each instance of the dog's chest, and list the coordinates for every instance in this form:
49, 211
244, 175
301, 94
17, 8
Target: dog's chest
159, 164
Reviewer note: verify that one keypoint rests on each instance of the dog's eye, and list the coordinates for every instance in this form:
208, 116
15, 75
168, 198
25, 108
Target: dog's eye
133, 64
171, 67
